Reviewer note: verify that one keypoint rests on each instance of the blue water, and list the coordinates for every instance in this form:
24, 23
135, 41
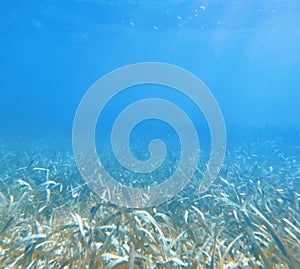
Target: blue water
246, 52
55, 209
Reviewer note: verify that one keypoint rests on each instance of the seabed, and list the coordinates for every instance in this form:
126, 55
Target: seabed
248, 218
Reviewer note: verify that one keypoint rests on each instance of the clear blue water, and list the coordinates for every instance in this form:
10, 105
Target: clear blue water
248, 55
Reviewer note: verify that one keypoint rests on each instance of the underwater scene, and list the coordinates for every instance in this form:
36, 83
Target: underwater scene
150, 134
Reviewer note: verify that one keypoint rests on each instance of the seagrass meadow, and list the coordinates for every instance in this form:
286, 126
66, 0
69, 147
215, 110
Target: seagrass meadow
248, 218
142, 87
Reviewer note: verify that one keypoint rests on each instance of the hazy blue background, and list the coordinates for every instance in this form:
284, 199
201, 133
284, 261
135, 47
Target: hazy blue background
247, 53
